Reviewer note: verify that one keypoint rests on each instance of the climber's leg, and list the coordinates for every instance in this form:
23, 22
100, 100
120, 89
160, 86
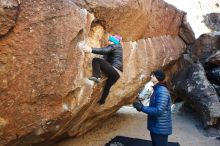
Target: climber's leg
99, 65
96, 69
113, 76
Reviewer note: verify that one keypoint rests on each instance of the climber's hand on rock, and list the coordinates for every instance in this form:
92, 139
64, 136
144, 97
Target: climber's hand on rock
87, 49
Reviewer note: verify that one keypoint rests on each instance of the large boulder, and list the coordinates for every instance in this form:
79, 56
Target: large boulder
206, 49
138, 19
44, 90
198, 72
192, 85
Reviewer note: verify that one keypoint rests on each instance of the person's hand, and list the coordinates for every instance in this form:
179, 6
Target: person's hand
138, 105
85, 47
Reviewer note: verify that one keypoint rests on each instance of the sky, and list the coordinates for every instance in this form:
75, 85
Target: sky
195, 10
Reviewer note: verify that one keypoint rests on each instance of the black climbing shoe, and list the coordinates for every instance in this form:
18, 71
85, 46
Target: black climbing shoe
97, 80
101, 102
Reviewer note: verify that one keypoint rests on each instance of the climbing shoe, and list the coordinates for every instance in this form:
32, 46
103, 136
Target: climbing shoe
97, 80
101, 102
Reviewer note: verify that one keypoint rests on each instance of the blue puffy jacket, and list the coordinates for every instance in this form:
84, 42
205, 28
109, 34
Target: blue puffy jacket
159, 111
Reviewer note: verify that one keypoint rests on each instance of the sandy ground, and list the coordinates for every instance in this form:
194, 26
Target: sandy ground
187, 130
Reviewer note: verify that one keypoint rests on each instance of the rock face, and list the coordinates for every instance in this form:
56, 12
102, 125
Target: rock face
138, 19
214, 75
197, 80
192, 85
186, 32
214, 60
44, 90
8, 15
206, 50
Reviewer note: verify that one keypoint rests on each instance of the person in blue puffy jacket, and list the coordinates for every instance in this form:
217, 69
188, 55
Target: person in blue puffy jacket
159, 111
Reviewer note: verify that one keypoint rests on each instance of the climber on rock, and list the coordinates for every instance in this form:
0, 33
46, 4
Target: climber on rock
111, 64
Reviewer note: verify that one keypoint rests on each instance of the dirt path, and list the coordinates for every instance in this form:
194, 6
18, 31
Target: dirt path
128, 122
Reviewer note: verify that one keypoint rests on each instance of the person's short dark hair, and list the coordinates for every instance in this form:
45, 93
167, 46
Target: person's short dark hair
159, 74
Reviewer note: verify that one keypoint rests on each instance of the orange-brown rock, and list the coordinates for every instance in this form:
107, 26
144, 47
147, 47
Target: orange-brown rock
2, 126
44, 90
140, 19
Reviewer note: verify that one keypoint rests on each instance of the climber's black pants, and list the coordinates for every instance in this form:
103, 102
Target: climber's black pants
99, 65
